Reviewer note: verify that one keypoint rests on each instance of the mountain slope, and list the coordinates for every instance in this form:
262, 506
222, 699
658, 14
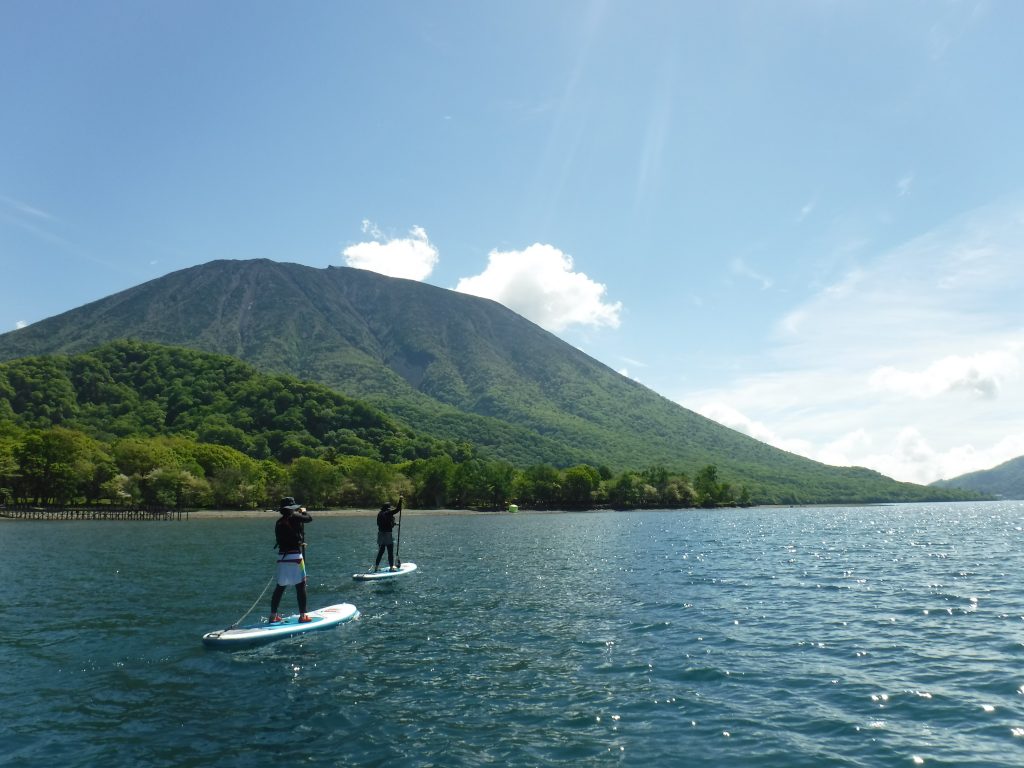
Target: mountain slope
450, 365
1005, 480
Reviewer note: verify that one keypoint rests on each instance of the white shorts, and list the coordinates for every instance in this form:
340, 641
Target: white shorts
291, 569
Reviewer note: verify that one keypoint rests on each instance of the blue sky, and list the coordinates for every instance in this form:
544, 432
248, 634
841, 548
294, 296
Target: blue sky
802, 219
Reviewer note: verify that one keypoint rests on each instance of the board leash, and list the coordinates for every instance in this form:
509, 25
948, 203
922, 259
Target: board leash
255, 603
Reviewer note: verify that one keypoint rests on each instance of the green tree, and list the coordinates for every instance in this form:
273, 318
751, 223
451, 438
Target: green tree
500, 480
471, 484
431, 481
631, 490
539, 486
579, 484
10, 471
276, 481
679, 492
235, 480
367, 482
42, 394
59, 465
709, 490
218, 431
141, 455
315, 481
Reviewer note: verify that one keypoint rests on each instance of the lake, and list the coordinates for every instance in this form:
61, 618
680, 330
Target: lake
848, 636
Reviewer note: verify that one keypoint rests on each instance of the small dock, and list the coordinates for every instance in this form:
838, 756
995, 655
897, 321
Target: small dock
34, 512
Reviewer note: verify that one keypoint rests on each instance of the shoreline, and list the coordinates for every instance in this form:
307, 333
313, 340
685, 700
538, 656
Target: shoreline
220, 514
224, 514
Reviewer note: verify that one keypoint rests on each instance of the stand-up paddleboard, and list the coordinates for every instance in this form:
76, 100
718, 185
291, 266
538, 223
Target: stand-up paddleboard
384, 573
237, 637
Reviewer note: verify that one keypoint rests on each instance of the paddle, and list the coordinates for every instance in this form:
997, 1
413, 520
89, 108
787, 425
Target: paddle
398, 544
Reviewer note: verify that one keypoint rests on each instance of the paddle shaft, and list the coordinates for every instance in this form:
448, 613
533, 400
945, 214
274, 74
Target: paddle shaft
398, 544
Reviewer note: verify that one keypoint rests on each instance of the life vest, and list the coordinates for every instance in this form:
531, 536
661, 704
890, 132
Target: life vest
386, 520
290, 533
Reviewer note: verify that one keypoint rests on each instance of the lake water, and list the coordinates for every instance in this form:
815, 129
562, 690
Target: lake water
857, 636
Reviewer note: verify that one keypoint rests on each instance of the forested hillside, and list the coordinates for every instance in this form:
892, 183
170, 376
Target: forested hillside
165, 425
1005, 481
125, 389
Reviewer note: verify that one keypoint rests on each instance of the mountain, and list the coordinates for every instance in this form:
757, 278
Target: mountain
1005, 481
449, 365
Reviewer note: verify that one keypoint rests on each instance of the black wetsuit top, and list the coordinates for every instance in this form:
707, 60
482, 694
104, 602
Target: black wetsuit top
386, 520
290, 531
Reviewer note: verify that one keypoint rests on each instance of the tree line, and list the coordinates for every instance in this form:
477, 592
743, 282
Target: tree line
62, 466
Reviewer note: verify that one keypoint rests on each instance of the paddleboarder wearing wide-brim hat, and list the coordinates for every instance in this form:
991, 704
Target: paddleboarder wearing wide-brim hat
385, 540
291, 566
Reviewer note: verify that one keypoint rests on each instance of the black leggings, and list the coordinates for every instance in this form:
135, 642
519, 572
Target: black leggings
389, 545
275, 600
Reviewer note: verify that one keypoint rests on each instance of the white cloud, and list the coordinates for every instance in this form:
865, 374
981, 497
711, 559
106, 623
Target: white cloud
901, 452
21, 324
634, 362
911, 364
980, 375
371, 229
730, 417
913, 457
26, 209
37, 221
844, 450
539, 283
904, 184
412, 257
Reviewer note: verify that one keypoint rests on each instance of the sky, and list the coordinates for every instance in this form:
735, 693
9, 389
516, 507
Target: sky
802, 219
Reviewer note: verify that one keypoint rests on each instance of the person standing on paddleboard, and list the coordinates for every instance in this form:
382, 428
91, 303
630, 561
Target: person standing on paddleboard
291, 566
385, 540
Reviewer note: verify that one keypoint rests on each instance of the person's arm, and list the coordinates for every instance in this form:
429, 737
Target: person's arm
302, 516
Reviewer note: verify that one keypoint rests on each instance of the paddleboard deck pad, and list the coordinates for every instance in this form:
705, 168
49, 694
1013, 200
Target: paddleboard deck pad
384, 573
253, 634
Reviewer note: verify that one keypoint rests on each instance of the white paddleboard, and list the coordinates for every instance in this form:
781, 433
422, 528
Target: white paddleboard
236, 637
384, 573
